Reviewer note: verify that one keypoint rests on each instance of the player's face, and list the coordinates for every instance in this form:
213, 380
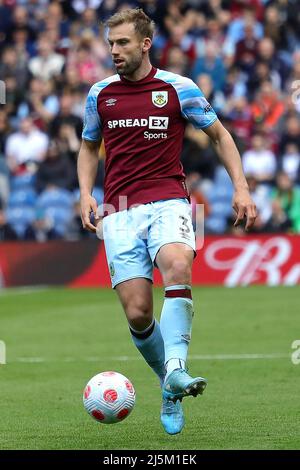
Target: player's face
126, 48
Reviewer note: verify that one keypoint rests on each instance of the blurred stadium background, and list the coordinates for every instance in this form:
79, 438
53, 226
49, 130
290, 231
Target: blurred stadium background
245, 56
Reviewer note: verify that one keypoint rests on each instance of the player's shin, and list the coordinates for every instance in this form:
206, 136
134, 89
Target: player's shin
151, 346
176, 326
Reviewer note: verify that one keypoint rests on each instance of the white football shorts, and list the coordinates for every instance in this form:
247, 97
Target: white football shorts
133, 237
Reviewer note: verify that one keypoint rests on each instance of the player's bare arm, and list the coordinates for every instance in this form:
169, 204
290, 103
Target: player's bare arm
87, 169
242, 202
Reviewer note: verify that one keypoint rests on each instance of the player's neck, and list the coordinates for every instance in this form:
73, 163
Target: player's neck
141, 72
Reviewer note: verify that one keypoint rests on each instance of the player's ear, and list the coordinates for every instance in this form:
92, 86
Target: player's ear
147, 43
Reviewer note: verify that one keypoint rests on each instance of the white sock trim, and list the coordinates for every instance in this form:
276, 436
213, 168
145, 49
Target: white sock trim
179, 286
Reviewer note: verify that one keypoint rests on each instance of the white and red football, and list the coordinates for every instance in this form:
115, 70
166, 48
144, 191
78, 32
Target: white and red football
109, 397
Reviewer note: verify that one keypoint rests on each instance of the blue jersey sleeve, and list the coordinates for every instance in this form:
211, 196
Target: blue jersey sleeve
194, 106
92, 123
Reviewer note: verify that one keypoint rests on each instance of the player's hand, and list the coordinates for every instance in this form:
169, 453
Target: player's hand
244, 207
88, 205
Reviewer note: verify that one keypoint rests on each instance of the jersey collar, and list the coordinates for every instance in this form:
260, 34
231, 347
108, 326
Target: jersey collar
143, 80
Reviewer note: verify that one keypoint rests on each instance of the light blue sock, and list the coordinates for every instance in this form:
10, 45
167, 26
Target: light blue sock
176, 325
151, 346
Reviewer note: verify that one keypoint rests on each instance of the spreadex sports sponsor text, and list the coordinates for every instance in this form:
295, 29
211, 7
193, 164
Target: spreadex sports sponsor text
154, 122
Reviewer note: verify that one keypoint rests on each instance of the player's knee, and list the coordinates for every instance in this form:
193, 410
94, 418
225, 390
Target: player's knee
179, 272
139, 313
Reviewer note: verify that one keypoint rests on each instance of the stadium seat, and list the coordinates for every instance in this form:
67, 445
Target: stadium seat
19, 218
60, 217
22, 198
57, 205
223, 192
215, 224
221, 177
55, 197
24, 182
221, 209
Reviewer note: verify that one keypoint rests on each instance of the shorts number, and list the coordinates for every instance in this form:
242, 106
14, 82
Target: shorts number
185, 229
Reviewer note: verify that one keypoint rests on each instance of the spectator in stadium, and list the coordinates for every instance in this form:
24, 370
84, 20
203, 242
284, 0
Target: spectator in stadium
235, 84
178, 12
56, 170
239, 112
246, 50
292, 84
41, 102
212, 64
267, 53
26, 148
288, 196
68, 142
215, 9
259, 161
89, 22
22, 21
290, 133
22, 46
156, 184
11, 66
236, 28
176, 61
260, 194
5, 22
86, 65
290, 101
279, 222
211, 30
197, 154
47, 64
13, 97
41, 230
107, 8
275, 26
289, 162
267, 108
55, 12
260, 74
66, 115
179, 38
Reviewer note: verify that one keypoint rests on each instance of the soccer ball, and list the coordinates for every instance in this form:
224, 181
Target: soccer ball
109, 397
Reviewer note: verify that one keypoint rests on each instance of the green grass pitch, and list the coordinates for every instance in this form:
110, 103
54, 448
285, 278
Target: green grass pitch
57, 339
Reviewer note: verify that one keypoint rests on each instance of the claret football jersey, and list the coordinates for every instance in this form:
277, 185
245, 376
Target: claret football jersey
142, 124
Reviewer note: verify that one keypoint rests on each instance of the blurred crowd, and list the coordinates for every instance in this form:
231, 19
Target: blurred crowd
243, 54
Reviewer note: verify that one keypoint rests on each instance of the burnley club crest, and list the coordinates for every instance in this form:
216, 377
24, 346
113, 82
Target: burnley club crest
159, 98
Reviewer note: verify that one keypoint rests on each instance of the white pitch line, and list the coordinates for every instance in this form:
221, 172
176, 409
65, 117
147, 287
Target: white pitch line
28, 360
195, 357
9, 291
229, 357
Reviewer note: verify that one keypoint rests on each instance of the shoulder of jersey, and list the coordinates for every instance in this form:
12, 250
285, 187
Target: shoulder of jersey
98, 86
173, 78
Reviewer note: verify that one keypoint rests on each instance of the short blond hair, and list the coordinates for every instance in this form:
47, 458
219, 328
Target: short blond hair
143, 25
